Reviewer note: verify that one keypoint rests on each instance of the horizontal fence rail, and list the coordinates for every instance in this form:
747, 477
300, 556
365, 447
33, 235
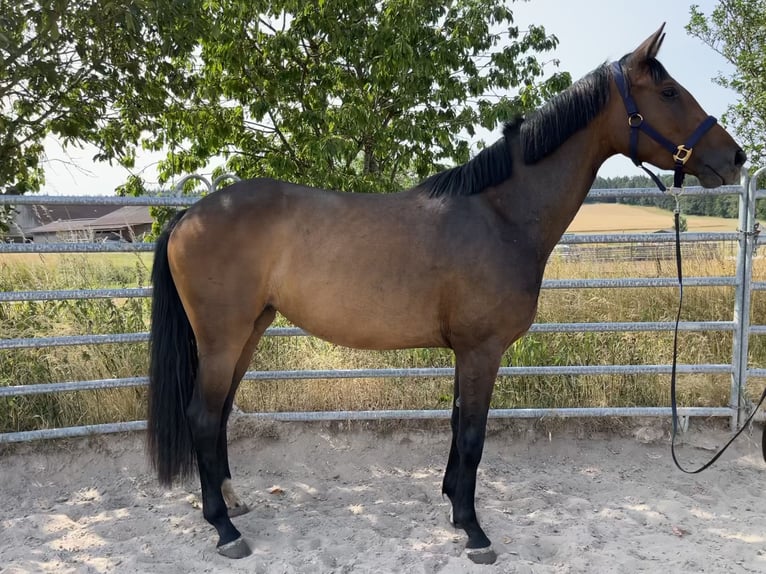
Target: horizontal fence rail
567, 239
70, 294
611, 327
162, 199
432, 372
652, 244
300, 416
131, 292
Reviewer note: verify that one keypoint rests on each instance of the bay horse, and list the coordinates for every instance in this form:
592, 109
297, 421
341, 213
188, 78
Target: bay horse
456, 262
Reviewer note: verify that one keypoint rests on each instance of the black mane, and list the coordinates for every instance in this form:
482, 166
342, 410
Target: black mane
491, 166
543, 131
566, 113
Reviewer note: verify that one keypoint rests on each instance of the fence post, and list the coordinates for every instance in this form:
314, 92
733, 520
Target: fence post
749, 236
741, 313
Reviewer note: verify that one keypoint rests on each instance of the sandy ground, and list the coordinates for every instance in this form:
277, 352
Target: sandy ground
368, 500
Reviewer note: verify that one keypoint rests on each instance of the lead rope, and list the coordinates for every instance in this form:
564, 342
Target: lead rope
676, 192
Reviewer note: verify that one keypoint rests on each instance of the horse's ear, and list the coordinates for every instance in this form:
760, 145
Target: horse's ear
648, 48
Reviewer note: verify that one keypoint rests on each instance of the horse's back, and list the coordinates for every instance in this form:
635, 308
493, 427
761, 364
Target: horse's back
347, 267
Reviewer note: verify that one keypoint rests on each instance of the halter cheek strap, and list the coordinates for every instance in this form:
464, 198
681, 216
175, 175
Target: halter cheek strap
681, 153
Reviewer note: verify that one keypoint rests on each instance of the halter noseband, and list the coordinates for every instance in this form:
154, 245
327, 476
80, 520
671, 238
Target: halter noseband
681, 153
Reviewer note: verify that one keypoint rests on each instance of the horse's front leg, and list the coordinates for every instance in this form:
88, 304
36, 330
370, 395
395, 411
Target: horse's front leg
449, 485
477, 370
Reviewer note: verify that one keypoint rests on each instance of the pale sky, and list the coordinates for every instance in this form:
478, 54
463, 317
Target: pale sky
590, 32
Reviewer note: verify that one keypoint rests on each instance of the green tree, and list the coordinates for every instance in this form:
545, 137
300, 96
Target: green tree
77, 70
736, 29
353, 95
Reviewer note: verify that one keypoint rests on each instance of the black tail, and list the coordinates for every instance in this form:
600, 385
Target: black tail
172, 369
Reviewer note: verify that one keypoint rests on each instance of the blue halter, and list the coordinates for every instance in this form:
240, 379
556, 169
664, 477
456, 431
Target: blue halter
681, 153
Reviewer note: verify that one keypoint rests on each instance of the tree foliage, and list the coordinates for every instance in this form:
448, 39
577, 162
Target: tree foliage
346, 94
736, 29
78, 70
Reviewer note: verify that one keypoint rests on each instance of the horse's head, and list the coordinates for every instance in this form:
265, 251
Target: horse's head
667, 127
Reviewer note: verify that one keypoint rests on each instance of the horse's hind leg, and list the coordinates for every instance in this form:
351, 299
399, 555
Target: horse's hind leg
225, 344
234, 504
205, 414
476, 379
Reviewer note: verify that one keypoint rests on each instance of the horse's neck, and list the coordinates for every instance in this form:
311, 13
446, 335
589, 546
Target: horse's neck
545, 196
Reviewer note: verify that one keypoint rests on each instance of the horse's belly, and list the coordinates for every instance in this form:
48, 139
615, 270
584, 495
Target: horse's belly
373, 324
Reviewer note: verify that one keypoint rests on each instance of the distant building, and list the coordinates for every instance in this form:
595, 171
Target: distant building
48, 224
28, 217
130, 223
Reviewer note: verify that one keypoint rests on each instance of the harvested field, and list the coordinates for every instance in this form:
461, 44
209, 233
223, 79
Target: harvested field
621, 218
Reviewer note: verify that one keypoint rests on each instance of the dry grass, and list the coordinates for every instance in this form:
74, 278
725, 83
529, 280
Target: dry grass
106, 361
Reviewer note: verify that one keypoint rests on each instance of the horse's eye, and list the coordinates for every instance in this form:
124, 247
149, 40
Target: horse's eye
669, 93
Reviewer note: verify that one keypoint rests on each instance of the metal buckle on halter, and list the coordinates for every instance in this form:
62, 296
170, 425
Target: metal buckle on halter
635, 120
683, 154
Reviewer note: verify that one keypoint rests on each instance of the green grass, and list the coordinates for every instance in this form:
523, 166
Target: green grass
48, 318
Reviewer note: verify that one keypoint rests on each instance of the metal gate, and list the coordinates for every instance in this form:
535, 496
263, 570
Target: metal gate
746, 238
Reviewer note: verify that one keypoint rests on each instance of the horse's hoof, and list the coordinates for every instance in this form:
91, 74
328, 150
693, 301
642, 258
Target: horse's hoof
238, 510
481, 555
235, 549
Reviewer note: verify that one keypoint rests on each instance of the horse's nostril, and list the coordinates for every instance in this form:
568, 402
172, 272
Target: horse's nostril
740, 158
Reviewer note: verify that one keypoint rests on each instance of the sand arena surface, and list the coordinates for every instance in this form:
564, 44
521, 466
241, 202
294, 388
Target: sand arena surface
330, 499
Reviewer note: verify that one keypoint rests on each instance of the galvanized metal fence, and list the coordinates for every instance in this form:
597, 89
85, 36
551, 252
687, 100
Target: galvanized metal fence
746, 239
